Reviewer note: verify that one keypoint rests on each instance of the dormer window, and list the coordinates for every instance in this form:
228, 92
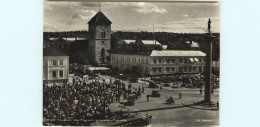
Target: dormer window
103, 34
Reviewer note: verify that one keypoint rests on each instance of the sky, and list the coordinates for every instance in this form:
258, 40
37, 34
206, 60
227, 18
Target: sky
133, 16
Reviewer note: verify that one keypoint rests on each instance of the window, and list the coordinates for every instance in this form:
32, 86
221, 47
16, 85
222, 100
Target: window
61, 62
168, 60
185, 60
168, 69
54, 63
200, 60
200, 69
142, 60
173, 60
117, 58
190, 69
185, 68
160, 61
102, 53
103, 42
154, 69
204, 60
173, 68
147, 61
159, 69
154, 61
103, 34
180, 60
194, 68
61, 73
180, 69
54, 74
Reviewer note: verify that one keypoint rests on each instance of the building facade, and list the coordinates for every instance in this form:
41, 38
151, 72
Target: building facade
55, 66
100, 38
162, 62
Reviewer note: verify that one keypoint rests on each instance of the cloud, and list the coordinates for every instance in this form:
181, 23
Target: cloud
189, 25
185, 16
140, 7
149, 8
132, 16
66, 16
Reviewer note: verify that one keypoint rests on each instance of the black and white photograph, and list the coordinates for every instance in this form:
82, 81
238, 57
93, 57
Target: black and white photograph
147, 64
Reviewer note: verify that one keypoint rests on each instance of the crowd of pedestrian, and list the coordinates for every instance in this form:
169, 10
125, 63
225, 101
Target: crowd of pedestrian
72, 104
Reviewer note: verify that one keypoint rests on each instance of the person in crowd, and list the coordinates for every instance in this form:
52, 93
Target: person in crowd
147, 97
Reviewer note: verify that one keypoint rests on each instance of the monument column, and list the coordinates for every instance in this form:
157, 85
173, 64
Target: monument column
208, 71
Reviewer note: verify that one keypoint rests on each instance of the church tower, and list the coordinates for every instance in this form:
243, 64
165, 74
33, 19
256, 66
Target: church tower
99, 38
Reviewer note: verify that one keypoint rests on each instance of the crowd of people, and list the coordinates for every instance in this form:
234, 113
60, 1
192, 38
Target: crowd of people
186, 80
73, 104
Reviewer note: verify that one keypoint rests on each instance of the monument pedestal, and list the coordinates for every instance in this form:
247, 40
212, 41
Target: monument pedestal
208, 71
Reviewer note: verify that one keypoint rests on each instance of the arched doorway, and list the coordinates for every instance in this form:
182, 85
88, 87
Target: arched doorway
102, 55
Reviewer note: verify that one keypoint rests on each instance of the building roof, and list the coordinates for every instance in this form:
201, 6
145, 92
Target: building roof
150, 42
99, 18
50, 51
177, 53
129, 41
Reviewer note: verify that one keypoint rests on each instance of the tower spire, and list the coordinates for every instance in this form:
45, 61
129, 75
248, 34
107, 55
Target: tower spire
99, 5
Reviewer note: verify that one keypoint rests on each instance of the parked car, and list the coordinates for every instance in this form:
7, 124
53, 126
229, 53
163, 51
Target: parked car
130, 100
166, 85
175, 86
155, 93
153, 85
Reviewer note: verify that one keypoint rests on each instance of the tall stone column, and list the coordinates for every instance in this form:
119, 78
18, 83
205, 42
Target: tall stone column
208, 71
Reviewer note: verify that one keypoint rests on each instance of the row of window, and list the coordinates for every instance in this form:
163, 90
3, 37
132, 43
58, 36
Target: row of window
134, 60
159, 61
181, 69
54, 74
172, 60
55, 63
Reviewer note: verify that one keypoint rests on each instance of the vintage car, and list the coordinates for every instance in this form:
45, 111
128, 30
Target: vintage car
166, 85
153, 85
155, 93
130, 100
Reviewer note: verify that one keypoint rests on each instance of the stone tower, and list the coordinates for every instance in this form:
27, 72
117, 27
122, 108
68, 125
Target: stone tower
99, 38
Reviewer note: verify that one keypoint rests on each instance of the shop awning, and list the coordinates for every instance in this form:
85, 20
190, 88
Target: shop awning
196, 59
191, 60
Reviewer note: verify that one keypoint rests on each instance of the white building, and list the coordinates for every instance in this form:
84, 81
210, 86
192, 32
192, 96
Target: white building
55, 66
162, 62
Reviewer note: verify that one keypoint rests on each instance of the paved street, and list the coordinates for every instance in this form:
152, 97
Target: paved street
178, 114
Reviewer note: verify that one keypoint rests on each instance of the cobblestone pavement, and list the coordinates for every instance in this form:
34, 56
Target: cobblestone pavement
175, 115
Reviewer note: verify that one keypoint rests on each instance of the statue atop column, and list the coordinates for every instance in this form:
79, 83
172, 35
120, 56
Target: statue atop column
209, 26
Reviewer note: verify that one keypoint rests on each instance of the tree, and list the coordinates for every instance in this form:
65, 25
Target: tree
136, 70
